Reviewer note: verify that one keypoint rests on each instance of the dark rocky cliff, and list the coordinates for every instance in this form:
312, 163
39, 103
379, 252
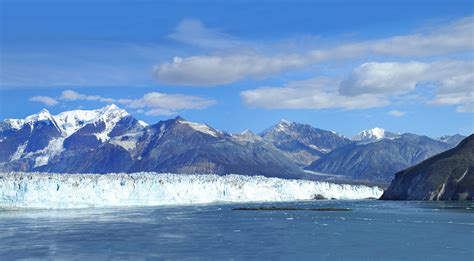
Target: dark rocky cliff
446, 176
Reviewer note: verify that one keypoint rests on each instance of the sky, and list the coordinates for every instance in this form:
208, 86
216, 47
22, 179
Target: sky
341, 65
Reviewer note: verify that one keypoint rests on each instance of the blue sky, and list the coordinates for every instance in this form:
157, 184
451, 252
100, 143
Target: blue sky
406, 66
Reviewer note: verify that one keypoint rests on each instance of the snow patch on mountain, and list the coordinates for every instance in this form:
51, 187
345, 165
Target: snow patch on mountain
142, 123
42, 157
203, 128
15, 123
318, 148
247, 136
128, 141
67, 123
283, 125
374, 134
452, 139
41, 161
56, 191
43, 115
19, 151
71, 121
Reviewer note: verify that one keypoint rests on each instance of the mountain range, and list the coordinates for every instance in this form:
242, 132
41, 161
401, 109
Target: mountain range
111, 140
380, 159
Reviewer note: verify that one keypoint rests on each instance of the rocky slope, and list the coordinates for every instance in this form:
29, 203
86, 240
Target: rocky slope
446, 176
302, 142
378, 160
453, 140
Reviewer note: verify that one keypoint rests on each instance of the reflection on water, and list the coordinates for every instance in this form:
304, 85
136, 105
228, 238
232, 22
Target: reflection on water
373, 230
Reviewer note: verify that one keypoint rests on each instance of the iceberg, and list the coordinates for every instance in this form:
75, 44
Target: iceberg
62, 191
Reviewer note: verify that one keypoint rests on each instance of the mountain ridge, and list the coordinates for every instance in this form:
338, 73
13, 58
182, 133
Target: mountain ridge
109, 139
379, 159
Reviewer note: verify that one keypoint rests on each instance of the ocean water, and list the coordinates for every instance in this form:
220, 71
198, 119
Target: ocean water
373, 230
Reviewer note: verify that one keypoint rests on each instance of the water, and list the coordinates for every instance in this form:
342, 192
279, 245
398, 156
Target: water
376, 230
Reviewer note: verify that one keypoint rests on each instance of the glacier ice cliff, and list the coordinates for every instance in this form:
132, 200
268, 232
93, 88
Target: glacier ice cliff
56, 191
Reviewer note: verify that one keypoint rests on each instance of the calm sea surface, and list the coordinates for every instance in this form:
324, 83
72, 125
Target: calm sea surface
374, 230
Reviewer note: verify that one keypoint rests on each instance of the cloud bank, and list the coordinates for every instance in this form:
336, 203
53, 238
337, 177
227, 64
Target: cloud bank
211, 70
152, 103
371, 85
46, 100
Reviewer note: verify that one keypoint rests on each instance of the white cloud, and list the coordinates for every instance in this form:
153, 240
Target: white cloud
380, 78
215, 70
160, 112
46, 100
193, 32
396, 113
374, 85
464, 100
71, 95
452, 98
455, 36
209, 70
152, 103
453, 80
315, 93
167, 104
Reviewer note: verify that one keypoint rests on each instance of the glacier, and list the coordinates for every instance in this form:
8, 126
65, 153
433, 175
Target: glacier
61, 191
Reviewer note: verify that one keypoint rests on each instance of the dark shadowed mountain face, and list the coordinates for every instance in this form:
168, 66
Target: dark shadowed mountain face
378, 160
180, 146
33, 135
446, 176
302, 142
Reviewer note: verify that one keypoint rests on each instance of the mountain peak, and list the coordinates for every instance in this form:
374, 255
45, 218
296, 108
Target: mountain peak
203, 128
179, 118
370, 134
452, 139
111, 107
247, 135
285, 122
247, 132
374, 134
44, 111
283, 125
111, 112
43, 115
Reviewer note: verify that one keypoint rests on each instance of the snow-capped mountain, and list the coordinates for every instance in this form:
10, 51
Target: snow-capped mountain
247, 135
69, 122
110, 140
34, 141
374, 134
302, 142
